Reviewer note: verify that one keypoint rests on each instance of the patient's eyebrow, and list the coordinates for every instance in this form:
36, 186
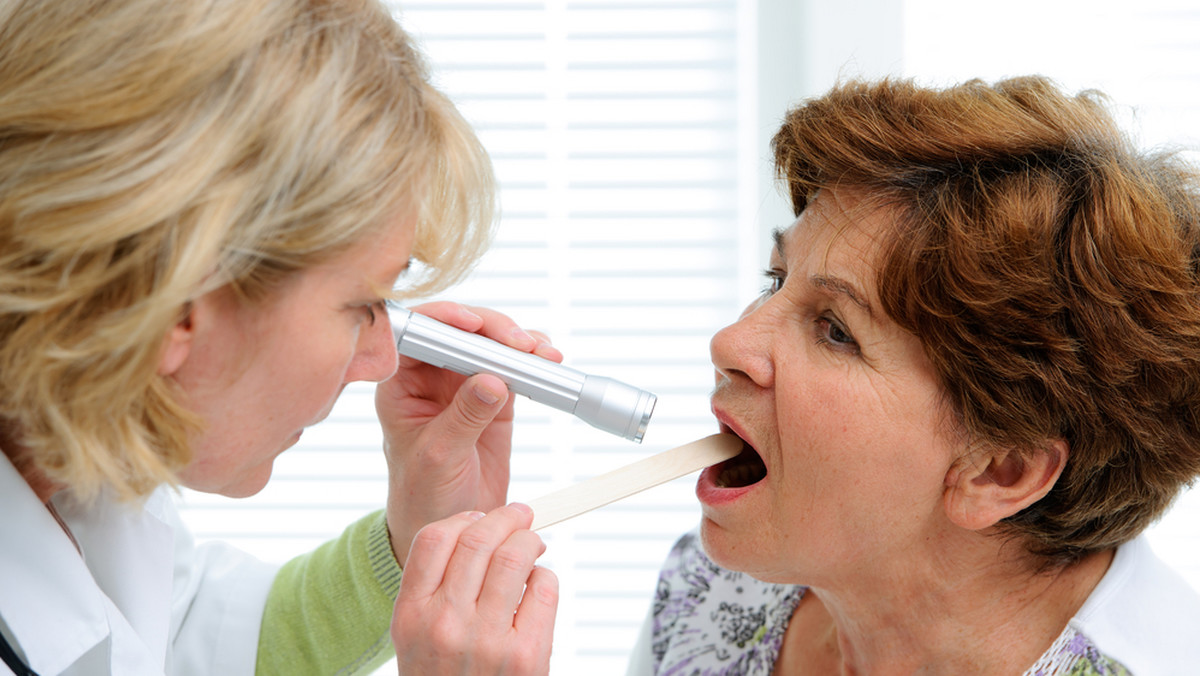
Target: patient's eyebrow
829, 282
839, 285
777, 236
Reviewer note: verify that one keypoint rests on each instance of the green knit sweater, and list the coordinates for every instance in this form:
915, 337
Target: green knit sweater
329, 611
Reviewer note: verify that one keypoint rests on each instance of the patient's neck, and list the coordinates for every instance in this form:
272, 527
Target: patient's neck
976, 624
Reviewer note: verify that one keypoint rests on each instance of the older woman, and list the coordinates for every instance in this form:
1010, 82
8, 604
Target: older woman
203, 206
971, 382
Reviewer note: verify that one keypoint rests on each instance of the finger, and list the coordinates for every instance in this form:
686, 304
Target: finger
475, 405
503, 329
538, 609
484, 321
509, 570
468, 565
455, 314
431, 550
544, 349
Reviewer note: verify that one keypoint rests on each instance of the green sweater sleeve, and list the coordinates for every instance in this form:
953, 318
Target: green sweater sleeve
329, 611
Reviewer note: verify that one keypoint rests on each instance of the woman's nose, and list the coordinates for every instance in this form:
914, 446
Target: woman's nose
743, 349
376, 358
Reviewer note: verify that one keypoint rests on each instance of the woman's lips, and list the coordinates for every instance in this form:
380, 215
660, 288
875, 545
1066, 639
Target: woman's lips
708, 491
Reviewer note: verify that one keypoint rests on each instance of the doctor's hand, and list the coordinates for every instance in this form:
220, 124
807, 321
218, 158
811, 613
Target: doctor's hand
448, 438
472, 601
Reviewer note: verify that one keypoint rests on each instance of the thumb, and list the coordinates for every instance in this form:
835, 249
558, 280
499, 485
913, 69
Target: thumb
475, 406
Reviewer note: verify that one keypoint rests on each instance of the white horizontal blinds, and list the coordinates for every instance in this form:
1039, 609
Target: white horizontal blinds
613, 129
1144, 55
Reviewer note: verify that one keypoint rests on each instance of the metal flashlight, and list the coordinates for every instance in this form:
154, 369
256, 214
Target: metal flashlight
604, 403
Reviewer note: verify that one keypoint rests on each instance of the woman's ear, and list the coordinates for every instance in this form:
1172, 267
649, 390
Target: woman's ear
178, 343
982, 490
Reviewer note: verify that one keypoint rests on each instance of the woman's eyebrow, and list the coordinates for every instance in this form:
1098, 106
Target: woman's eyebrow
777, 236
829, 282
841, 286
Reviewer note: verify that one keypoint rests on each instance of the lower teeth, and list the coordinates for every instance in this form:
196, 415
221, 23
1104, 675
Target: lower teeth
740, 475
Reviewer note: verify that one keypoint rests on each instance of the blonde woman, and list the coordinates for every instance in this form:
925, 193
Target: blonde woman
204, 206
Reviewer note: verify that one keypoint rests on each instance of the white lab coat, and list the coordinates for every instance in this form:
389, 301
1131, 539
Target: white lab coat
141, 600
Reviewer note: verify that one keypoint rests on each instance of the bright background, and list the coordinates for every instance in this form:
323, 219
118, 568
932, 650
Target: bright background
630, 141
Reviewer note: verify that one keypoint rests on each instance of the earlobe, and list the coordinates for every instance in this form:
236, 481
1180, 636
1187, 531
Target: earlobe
177, 344
980, 492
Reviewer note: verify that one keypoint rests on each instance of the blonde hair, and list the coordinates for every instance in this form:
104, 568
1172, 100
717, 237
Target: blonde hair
153, 150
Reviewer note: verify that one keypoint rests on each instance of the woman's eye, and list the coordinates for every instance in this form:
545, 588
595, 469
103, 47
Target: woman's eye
831, 333
774, 281
374, 310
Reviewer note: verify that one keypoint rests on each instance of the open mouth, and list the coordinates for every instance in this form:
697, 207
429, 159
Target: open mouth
744, 469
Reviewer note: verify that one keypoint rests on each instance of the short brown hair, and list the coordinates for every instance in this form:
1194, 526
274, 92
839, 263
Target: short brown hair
1049, 268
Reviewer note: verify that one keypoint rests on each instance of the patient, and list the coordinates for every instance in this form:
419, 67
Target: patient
970, 384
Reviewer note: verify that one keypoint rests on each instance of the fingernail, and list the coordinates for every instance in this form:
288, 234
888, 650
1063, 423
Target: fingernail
521, 335
521, 507
547, 351
475, 516
486, 396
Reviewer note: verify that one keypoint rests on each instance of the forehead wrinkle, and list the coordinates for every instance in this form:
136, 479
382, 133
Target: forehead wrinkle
826, 282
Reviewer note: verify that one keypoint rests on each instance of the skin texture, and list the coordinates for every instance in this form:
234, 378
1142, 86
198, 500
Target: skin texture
841, 405
258, 375
872, 497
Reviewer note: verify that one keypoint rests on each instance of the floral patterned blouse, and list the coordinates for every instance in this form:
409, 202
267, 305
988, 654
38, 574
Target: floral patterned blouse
708, 621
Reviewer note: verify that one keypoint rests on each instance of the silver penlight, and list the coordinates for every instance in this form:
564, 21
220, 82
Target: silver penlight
604, 403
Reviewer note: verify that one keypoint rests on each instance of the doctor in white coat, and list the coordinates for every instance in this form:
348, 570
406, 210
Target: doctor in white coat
204, 206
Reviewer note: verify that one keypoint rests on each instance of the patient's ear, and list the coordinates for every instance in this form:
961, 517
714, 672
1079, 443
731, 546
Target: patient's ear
177, 344
990, 486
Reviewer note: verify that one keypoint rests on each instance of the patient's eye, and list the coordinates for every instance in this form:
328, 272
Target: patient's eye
829, 331
774, 280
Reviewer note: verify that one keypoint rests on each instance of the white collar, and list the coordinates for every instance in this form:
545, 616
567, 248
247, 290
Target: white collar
57, 605
48, 604
1142, 613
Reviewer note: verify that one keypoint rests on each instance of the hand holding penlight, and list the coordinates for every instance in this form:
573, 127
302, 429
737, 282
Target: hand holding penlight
604, 403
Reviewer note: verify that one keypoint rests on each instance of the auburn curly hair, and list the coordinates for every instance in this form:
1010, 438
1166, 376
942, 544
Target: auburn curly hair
1050, 269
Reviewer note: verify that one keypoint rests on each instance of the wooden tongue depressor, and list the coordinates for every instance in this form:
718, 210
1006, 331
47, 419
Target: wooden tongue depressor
632, 478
